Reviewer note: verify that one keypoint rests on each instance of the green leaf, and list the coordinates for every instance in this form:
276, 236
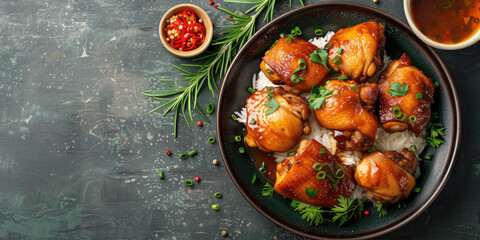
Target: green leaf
318, 96
310, 192
381, 209
398, 90
272, 104
312, 214
320, 56
435, 132
267, 190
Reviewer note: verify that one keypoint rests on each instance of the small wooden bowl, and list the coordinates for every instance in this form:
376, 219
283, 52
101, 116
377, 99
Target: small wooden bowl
200, 15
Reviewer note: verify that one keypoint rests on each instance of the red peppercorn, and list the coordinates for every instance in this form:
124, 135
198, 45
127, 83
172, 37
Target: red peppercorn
366, 212
211, 2
197, 179
168, 152
199, 123
216, 5
230, 16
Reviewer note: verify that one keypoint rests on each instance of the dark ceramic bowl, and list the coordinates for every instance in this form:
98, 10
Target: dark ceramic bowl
331, 17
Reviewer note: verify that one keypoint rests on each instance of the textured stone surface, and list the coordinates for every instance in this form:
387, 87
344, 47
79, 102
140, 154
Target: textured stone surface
79, 156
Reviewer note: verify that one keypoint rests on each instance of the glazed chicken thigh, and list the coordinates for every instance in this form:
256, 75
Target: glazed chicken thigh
305, 170
387, 177
348, 112
280, 62
357, 51
278, 128
414, 107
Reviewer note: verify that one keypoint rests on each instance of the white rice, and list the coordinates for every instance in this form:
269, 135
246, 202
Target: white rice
384, 141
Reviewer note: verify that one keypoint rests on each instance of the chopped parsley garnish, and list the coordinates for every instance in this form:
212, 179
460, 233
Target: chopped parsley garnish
296, 79
272, 105
341, 213
311, 192
398, 90
435, 132
381, 209
267, 190
320, 56
372, 149
419, 95
317, 97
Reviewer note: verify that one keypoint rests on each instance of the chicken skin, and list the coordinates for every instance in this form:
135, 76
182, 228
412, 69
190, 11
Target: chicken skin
278, 128
361, 53
387, 177
348, 112
303, 177
414, 105
280, 62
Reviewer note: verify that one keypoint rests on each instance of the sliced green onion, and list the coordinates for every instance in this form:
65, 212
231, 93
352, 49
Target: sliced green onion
428, 156
288, 40
296, 79
318, 32
210, 108
322, 150
298, 31
274, 43
193, 152
335, 92
413, 148
269, 70
238, 138
184, 155
218, 194
253, 121
241, 150
417, 189
340, 50
160, 174
211, 139
215, 207
188, 183
327, 82
412, 118
402, 118
436, 84
336, 60
396, 111
262, 169
419, 95
354, 88
251, 90
254, 178
301, 65
234, 117
343, 77
372, 149
291, 154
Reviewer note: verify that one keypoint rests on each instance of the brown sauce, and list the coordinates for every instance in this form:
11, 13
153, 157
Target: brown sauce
447, 21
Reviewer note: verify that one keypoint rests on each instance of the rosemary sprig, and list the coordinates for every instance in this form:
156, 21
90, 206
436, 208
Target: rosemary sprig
181, 98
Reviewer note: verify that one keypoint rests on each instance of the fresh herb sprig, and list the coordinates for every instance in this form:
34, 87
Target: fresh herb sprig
317, 97
398, 90
345, 210
184, 99
381, 209
435, 132
267, 190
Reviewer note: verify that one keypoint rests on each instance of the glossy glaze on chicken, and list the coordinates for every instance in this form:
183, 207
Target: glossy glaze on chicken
297, 173
415, 105
349, 114
387, 177
280, 130
361, 53
280, 62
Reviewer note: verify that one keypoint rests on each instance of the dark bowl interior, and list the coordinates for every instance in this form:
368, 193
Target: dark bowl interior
331, 17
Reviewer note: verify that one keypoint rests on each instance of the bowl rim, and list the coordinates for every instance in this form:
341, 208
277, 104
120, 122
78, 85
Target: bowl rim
207, 22
469, 42
455, 134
